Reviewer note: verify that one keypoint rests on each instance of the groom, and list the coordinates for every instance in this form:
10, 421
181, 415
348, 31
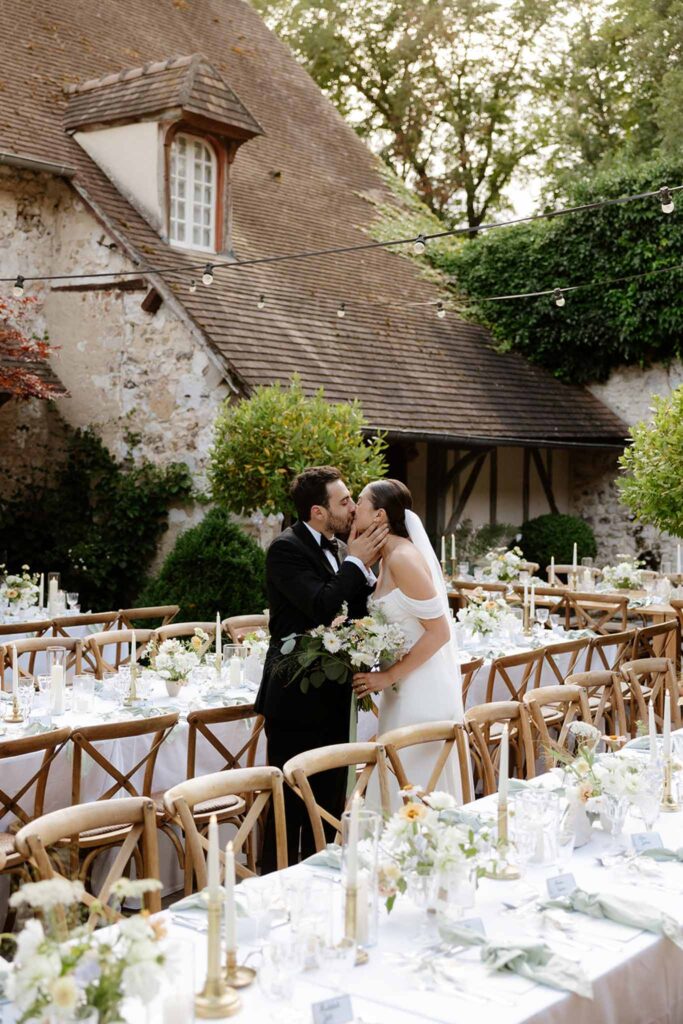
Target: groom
309, 576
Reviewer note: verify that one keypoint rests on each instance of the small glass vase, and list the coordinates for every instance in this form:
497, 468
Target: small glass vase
367, 885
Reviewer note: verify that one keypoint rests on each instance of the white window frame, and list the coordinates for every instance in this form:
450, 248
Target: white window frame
187, 243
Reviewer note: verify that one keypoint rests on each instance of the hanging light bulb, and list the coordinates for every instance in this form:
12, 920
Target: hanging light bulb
18, 289
261, 302
193, 286
341, 312
207, 276
419, 245
666, 200
440, 310
558, 297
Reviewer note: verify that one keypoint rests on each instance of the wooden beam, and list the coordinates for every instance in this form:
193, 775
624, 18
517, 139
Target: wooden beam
546, 483
152, 301
435, 490
463, 463
526, 474
466, 492
493, 487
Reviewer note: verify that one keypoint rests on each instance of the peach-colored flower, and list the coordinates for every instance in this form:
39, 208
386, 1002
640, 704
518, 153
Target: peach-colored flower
413, 812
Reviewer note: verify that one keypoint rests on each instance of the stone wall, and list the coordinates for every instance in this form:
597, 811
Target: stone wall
127, 371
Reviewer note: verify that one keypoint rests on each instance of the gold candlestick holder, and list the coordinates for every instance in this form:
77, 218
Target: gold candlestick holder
526, 620
14, 711
669, 802
132, 695
351, 923
574, 580
218, 663
237, 976
216, 999
502, 870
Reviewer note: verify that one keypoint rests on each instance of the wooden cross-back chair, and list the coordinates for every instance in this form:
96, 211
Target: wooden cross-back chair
554, 652
64, 625
484, 724
27, 651
165, 613
237, 626
552, 709
649, 679
597, 612
605, 700
661, 640
28, 801
608, 652
369, 757
259, 787
450, 743
133, 817
465, 587
120, 640
468, 671
87, 742
24, 629
528, 664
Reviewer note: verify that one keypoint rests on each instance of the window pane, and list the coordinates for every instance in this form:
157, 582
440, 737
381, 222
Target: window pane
192, 194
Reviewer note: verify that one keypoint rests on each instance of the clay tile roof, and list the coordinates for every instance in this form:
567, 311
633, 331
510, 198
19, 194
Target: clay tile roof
178, 85
40, 368
309, 182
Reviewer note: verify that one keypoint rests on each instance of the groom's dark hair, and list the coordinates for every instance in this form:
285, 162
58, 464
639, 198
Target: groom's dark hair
310, 488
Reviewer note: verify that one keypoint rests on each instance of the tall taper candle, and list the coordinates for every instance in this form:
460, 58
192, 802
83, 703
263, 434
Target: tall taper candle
218, 635
666, 728
532, 610
352, 855
574, 557
133, 651
552, 570
230, 917
212, 868
41, 590
652, 731
452, 547
443, 547
15, 672
526, 593
504, 767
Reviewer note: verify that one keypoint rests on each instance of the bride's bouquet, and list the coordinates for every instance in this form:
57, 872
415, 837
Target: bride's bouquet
334, 653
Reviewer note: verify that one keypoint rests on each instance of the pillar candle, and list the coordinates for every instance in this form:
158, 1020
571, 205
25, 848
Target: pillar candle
218, 634
57, 690
212, 870
652, 731
230, 916
666, 730
352, 853
443, 547
15, 672
235, 674
552, 571
504, 767
574, 557
41, 592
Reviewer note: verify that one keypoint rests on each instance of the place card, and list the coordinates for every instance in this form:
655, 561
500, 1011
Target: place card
473, 924
333, 1011
642, 841
561, 885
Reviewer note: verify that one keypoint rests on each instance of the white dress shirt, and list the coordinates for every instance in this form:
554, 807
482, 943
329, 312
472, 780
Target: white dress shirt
368, 573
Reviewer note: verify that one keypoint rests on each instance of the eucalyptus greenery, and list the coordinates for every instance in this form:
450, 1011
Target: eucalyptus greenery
262, 443
652, 487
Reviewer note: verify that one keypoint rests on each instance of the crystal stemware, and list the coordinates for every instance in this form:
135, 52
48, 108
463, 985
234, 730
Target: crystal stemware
71, 598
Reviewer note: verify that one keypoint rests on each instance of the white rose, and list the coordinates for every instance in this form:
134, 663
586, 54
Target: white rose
142, 981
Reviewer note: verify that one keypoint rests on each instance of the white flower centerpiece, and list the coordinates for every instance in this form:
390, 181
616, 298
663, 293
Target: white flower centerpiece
504, 565
19, 590
258, 642
627, 574
333, 653
66, 970
484, 613
175, 659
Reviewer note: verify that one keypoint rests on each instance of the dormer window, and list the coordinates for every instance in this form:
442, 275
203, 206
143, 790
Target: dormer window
192, 193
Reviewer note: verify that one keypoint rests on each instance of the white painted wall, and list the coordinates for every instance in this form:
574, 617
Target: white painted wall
129, 155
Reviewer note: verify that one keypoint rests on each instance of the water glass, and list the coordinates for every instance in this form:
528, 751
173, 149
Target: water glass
565, 839
83, 694
367, 889
542, 616
463, 570
177, 994
587, 563
234, 663
613, 815
282, 962
26, 695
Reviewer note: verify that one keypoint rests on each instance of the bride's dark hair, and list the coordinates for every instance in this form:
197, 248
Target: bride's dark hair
394, 497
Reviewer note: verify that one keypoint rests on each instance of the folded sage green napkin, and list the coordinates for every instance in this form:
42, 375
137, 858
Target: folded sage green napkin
198, 902
663, 853
330, 857
470, 819
533, 960
639, 743
622, 911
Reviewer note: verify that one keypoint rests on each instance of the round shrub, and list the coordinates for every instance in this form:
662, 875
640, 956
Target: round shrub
556, 535
213, 567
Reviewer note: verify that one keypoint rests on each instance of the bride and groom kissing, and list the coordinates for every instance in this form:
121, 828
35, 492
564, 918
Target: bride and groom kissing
310, 574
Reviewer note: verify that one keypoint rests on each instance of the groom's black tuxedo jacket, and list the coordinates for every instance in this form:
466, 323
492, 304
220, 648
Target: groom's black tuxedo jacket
305, 592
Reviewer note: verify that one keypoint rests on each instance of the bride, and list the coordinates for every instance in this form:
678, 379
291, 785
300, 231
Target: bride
425, 685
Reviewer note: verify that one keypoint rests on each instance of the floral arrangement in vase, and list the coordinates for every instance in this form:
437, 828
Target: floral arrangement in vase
422, 840
333, 653
627, 574
19, 590
503, 564
174, 659
484, 614
66, 969
258, 642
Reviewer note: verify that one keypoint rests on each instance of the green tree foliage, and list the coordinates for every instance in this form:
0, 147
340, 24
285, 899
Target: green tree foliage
213, 567
554, 536
653, 485
260, 445
97, 521
599, 327
450, 92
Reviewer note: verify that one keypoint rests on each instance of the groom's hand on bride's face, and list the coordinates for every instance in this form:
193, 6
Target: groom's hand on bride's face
367, 546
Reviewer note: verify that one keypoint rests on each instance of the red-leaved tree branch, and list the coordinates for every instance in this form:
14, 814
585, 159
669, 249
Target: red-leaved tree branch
20, 354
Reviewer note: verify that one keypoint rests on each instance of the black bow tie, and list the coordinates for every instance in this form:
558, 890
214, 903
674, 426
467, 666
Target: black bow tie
330, 545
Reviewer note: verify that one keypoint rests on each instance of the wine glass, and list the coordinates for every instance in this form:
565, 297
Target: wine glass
282, 962
71, 599
542, 616
613, 816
